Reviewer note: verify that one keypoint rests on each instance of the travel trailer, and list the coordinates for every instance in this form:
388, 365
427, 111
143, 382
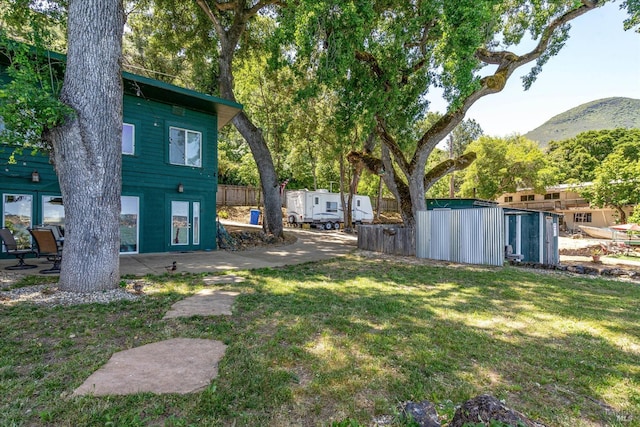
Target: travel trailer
324, 209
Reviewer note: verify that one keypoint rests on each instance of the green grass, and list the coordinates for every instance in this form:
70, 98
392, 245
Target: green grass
342, 342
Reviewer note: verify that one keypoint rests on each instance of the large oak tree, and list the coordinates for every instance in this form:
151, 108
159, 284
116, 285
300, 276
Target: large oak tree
87, 146
81, 130
384, 57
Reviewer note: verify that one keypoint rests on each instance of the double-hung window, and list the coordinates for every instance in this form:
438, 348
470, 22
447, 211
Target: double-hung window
185, 147
128, 139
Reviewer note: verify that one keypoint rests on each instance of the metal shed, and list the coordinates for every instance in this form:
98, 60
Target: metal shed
533, 234
478, 232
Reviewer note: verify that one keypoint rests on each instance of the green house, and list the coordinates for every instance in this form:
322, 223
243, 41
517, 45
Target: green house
169, 171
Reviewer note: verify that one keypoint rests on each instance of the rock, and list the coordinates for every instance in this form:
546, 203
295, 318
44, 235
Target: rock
486, 408
575, 269
422, 413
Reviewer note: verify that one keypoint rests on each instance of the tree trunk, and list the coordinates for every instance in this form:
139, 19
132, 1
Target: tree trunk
621, 213
259, 149
268, 178
87, 148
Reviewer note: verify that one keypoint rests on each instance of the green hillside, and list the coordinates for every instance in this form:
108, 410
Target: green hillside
608, 113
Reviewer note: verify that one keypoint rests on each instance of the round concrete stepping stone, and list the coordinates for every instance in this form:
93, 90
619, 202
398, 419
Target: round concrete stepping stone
207, 302
179, 365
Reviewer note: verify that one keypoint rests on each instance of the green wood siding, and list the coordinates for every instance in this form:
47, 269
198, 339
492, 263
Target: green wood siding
147, 174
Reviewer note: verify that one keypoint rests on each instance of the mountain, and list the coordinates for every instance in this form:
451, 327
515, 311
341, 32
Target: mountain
607, 113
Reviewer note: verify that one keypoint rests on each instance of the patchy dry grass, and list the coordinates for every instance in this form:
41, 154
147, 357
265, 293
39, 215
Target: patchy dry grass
345, 340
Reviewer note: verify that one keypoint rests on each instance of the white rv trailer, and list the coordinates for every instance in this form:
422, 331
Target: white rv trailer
324, 209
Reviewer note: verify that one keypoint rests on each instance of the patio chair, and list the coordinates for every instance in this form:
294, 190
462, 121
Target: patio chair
57, 234
48, 247
11, 247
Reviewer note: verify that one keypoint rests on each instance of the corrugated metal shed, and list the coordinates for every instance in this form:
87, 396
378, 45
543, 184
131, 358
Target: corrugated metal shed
471, 236
533, 234
478, 232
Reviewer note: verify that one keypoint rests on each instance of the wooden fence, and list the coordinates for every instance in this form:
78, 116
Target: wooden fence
239, 195
388, 239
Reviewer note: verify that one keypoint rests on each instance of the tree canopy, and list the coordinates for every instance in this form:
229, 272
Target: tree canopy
576, 159
384, 57
504, 165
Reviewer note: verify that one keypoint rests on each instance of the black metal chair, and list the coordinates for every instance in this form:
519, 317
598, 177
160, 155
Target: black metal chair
11, 247
48, 247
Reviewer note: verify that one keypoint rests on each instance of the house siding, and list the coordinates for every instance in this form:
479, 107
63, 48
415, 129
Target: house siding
147, 174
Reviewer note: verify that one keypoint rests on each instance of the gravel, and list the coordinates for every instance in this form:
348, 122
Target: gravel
50, 295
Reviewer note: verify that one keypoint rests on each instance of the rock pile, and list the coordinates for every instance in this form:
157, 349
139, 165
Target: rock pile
482, 410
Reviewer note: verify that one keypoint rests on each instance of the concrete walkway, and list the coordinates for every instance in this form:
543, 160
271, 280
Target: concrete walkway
311, 245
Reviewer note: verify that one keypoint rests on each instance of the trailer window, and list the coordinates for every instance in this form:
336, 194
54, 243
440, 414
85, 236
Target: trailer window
316, 201
332, 206
358, 203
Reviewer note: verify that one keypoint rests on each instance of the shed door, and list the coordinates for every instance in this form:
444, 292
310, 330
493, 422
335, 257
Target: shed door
548, 240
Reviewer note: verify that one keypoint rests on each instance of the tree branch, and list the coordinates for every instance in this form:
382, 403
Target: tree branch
391, 143
507, 63
446, 167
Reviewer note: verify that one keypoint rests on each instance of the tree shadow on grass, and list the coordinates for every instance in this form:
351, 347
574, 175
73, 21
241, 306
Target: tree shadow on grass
553, 346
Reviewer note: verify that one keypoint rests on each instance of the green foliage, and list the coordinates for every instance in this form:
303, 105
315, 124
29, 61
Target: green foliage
504, 165
576, 159
617, 179
29, 103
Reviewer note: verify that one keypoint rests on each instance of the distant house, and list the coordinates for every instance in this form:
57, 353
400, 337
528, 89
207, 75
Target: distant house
169, 171
563, 199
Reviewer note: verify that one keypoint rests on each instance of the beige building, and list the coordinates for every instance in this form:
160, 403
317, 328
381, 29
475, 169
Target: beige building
566, 200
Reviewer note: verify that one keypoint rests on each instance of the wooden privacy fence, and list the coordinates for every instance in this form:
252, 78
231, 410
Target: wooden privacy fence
240, 195
388, 239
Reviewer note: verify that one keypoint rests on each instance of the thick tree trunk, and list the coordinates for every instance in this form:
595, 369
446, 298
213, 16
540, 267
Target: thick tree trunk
87, 148
268, 176
259, 149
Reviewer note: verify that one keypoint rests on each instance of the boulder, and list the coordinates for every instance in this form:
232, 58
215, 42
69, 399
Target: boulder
422, 413
486, 408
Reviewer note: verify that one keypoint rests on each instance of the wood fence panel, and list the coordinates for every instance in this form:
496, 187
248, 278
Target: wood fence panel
393, 240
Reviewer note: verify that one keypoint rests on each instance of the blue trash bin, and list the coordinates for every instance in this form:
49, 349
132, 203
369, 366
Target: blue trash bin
255, 216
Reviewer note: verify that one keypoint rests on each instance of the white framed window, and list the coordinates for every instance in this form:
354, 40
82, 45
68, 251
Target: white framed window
185, 147
17, 210
195, 229
332, 206
52, 211
582, 217
128, 139
129, 224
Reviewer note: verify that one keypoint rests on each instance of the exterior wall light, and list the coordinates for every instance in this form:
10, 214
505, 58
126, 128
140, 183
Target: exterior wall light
35, 176
180, 188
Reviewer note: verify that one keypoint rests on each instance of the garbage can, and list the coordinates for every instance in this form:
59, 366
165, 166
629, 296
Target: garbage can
255, 216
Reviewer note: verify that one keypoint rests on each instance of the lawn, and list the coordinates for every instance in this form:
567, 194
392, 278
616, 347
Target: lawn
345, 341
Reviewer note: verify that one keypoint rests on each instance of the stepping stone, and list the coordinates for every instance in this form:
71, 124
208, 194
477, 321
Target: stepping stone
179, 365
207, 302
227, 278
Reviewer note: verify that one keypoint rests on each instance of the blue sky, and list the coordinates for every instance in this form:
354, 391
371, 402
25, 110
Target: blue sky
600, 60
